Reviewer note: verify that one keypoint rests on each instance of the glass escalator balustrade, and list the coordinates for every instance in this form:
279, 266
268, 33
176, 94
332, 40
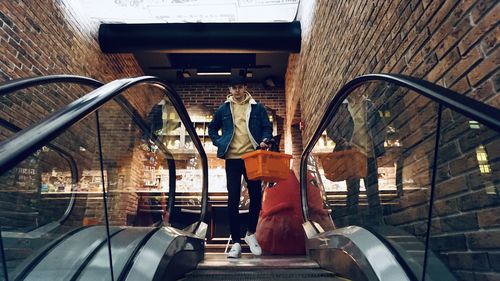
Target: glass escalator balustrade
464, 227
37, 195
48, 197
51, 193
374, 165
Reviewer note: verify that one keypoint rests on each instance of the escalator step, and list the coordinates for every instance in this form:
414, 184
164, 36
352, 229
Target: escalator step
270, 274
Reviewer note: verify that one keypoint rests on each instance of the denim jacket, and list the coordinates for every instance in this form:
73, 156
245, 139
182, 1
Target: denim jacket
258, 126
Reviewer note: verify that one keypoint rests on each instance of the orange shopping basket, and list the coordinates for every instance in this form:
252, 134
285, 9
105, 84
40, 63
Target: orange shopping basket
267, 165
344, 165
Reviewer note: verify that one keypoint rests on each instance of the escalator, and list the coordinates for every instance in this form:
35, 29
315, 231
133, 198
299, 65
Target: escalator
96, 238
413, 135
218, 267
26, 220
421, 168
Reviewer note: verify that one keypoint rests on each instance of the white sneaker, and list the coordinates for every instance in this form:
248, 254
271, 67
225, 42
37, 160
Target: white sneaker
235, 251
251, 240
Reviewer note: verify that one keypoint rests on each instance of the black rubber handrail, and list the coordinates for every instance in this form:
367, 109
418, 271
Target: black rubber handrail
12, 86
23, 144
19, 84
467, 106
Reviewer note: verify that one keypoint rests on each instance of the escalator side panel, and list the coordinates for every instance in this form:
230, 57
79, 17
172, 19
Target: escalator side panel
369, 254
64, 260
162, 249
123, 245
27, 264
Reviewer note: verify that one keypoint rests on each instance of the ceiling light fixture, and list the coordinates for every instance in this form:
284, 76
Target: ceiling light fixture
213, 73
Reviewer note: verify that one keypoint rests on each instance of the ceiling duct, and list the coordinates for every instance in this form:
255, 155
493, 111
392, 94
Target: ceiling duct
200, 37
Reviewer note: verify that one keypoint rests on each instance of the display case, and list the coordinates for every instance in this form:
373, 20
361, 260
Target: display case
175, 136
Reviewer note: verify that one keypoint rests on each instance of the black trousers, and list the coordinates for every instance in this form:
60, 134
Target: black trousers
235, 168
372, 194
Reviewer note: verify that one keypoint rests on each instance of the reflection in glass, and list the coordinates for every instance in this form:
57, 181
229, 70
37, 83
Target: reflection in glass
374, 162
51, 193
145, 157
464, 233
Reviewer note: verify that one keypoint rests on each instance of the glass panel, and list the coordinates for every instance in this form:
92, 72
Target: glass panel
142, 166
3, 268
136, 166
373, 164
466, 207
188, 169
54, 191
25, 107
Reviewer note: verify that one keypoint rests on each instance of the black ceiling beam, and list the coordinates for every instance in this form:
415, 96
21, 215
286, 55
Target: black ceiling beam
200, 37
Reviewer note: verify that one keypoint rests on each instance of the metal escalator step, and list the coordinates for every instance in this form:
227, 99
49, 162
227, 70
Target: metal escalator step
269, 274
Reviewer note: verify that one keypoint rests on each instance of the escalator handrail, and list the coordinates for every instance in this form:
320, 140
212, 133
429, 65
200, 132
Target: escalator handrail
467, 106
11, 86
19, 84
23, 144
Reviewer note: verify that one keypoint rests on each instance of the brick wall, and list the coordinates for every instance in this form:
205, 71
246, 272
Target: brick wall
42, 38
211, 95
451, 43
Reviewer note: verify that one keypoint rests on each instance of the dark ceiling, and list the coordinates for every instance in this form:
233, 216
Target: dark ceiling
257, 67
182, 52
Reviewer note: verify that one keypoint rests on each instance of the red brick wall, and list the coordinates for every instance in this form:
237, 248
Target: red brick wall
40, 38
212, 95
452, 43
51, 37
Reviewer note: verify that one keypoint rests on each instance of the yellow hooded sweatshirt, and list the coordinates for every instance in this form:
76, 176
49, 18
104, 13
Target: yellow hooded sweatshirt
241, 142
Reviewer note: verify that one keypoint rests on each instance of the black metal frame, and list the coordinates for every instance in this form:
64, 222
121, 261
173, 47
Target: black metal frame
200, 37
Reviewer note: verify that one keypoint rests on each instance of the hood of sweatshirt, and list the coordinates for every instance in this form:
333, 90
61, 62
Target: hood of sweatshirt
248, 98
